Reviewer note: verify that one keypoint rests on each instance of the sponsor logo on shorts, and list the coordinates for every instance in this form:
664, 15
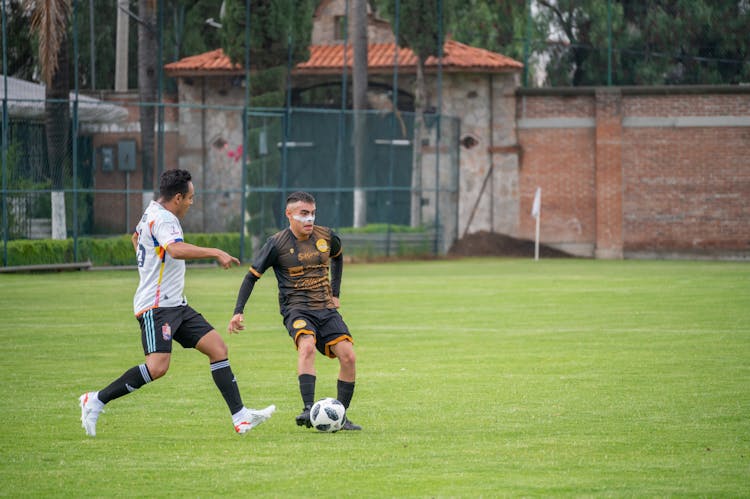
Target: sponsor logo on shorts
299, 324
166, 332
322, 245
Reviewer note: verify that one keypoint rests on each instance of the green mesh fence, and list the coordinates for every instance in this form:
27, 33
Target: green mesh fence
287, 150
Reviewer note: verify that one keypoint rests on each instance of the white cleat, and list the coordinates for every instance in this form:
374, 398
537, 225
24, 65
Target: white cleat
89, 413
253, 418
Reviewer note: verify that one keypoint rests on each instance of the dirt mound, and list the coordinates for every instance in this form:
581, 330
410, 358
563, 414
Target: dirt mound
485, 243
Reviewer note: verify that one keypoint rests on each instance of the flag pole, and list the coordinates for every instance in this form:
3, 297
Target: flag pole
536, 243
536, 212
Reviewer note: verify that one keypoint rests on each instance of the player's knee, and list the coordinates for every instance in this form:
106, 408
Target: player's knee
213, 346
346, 357
306, 347
220, 351
158, 370
157, 364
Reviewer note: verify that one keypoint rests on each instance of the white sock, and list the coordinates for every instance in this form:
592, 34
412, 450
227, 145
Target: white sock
239, 416
94, 403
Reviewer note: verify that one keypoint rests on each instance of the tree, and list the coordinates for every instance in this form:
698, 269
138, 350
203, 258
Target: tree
280, 33
49, 21
20, 53
496, 25
104, 44
186, 30
582, 58
271, 23
419, 30
653, 43
681, 42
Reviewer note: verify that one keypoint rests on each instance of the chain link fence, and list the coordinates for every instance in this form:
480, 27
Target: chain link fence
97, 176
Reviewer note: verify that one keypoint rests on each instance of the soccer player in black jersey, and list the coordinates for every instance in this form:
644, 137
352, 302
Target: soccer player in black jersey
301, 257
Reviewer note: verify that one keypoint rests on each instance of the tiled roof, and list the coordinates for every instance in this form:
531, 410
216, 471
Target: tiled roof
328, 59
213, 62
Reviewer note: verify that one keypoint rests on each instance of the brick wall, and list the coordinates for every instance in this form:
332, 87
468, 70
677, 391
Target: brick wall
638, 172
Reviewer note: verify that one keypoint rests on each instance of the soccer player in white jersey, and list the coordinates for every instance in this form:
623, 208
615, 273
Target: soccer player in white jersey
162, 310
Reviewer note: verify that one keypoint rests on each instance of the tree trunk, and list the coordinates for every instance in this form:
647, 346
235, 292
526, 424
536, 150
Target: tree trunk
416, 172
359, 97
121, 51
57, 129
147, 74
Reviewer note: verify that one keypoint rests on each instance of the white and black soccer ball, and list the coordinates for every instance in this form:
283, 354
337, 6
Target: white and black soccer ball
327, 415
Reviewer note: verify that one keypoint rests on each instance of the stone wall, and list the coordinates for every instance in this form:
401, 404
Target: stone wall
488, 154
210, 124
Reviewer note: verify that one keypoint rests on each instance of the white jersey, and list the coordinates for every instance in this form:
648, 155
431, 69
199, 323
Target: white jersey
162, 277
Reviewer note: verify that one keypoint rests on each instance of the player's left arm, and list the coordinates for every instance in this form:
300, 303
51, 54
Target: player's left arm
337, 268
167, 231
134, 239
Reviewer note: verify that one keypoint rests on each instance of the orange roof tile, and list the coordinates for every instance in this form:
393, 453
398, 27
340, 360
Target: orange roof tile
380, 58
328, 59
213, 62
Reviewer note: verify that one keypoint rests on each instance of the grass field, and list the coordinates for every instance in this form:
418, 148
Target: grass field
476, 377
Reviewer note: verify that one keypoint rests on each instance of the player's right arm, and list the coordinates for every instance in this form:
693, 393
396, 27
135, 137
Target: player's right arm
236, 324
265, 259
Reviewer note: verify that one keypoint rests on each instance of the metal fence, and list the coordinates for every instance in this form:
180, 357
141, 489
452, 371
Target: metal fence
100, 172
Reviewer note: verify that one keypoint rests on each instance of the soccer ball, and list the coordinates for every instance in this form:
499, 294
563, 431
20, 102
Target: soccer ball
327, 415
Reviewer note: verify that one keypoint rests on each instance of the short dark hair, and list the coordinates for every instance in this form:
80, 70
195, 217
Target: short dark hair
173, 182
300, 196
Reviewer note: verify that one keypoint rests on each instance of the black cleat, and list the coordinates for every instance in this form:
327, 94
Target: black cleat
304, 418
348, 425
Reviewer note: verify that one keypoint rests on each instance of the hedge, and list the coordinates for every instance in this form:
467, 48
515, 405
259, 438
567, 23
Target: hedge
362, 243
113, 251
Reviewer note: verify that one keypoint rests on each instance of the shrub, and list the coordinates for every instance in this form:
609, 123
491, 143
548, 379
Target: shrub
114, 251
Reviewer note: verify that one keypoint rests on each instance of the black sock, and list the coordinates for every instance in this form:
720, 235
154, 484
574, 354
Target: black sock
227, 385
131, 380
345, 392
307, 389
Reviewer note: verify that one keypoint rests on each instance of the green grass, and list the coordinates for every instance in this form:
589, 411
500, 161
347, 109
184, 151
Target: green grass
476, 377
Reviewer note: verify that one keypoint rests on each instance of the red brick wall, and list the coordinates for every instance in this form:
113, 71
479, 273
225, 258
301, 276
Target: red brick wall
687, 189
652, 172
565, 173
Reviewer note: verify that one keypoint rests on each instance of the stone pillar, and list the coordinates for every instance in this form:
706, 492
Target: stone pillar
609, 184
504, 155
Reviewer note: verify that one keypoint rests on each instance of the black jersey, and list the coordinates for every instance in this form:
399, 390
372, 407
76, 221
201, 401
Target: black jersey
301, 267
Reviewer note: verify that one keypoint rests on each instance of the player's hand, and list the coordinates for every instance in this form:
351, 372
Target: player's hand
335, 300
226, 260
236, 324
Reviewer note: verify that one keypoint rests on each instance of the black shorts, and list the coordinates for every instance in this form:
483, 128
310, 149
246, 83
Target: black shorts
159, 326
326, 325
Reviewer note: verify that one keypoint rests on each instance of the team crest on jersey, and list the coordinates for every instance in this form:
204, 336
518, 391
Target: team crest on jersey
299, 324
291, 251
322, 245
166, 332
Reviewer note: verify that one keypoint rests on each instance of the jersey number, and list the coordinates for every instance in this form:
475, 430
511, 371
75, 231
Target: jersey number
141, 255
